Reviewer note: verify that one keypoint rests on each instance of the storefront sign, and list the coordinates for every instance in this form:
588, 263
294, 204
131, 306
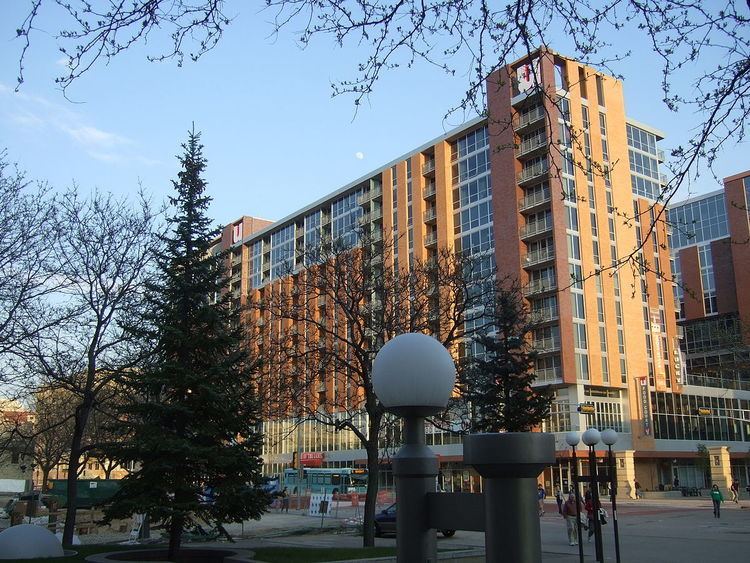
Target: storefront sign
312, 459
645, 406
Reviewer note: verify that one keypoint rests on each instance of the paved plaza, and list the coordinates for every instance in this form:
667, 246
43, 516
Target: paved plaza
665, 531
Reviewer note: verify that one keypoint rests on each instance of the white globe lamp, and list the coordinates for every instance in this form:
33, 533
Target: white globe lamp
591, 437
413, 375
609, 437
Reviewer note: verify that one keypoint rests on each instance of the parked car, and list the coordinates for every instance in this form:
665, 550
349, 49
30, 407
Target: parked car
385, 523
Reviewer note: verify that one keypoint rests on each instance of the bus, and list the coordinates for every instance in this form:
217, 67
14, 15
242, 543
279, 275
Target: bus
326, 480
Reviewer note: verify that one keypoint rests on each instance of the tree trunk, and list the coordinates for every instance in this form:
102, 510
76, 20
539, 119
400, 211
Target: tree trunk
175, 536
45, 478
368, 531
81, 417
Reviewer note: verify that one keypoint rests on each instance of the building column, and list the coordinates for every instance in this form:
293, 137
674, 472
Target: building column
625, 463
721, 468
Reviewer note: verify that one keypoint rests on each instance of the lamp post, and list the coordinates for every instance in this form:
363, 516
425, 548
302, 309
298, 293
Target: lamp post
413, 376
592, 437
609, 437
572, 438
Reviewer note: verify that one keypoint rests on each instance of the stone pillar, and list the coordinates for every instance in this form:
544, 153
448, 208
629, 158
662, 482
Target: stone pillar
625, 463
721, 469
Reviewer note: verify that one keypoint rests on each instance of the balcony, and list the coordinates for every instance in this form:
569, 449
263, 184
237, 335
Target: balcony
538, 257
544, 315
533, 172
428, 167
536, 199
429, 190
373, 193
536, 228
547, 375
545, 345
524, 121
532, 146
660, 155
430, 240
539, 287
430, 215
663, 179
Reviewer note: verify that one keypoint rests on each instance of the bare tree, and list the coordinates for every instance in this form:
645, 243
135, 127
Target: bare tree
53, 430
319, 329
104, 251
27, 265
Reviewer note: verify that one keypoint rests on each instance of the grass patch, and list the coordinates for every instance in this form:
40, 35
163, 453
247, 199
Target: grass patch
304, 554
83, 552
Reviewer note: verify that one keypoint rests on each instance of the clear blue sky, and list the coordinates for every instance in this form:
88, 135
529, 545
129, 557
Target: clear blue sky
274, 137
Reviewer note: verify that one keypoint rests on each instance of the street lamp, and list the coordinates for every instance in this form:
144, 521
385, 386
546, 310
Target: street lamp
609, 437
572, 438
413, 376
592, 437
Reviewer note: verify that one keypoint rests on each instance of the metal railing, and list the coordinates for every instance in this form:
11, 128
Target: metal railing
429, 190
537, 198
539, 256
430, 214
540, 286
544, 315
532, 144
526, 119
535, 228
720, 382
546, 375
428, 167
430, 239
546, 345
533, 171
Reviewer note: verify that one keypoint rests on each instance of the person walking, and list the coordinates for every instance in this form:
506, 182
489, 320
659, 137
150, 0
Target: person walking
284, 501
541, 494
571, 512
638, 494
735, 488
718, 498
559, 499
591, 513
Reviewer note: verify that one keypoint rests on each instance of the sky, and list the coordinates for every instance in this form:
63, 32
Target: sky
275, 138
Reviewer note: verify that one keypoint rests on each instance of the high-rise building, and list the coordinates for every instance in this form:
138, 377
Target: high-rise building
559, 189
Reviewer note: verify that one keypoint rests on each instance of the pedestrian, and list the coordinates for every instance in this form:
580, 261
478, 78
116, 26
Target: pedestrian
735, 488
676, 484
541, 494
638, 493
718, 498
284, 501
571, 511
591, 513
559, 499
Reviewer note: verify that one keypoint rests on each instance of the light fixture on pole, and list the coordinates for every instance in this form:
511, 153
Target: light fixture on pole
592, 437
413, 376
573, 439
609, 437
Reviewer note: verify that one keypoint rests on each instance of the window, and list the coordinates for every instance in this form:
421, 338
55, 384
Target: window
600, 90
582, 82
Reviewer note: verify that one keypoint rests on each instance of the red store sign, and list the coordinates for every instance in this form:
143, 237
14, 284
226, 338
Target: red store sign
312, 459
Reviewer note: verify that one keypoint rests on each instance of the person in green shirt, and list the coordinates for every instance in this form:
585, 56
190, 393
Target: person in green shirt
718, 498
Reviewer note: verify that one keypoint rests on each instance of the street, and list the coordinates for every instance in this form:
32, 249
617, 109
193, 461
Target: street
654, 531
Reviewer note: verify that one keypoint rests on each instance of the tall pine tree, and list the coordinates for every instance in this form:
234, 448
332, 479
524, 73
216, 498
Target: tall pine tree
497, 382
195, 428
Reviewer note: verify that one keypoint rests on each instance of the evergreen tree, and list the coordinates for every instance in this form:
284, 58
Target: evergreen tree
497, 380
194, 431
